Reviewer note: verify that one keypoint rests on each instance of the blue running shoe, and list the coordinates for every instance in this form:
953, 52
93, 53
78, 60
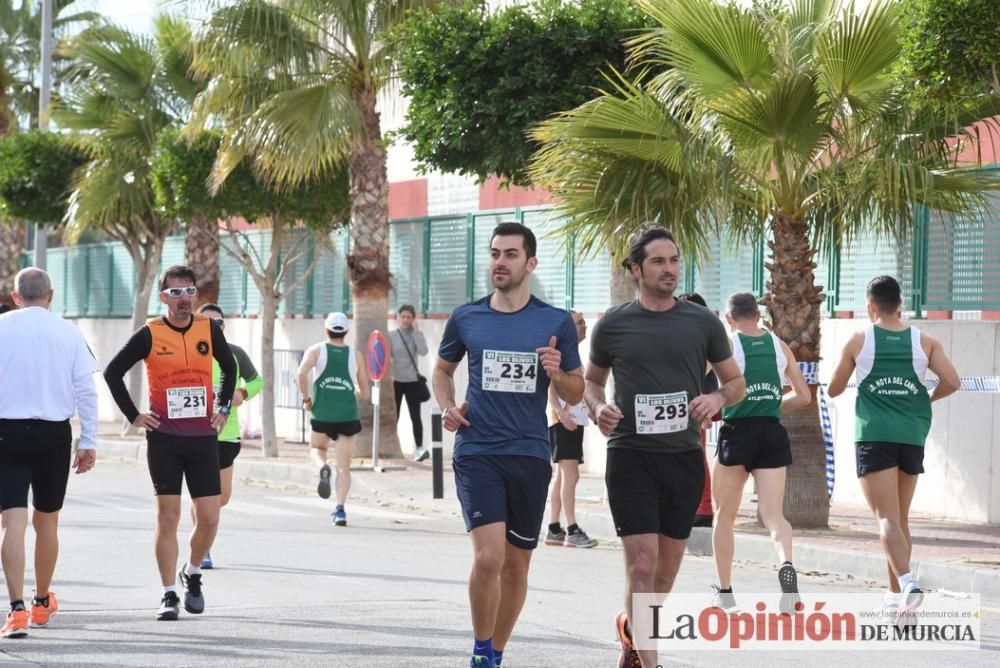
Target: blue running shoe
338, 518
206, 563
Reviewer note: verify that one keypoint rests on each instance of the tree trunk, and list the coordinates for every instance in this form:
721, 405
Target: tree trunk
369, 257
146, 259
268, 314
201, 253
12, 238
623, 285
793, 303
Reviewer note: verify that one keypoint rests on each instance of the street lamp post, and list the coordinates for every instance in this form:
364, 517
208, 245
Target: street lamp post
44, 99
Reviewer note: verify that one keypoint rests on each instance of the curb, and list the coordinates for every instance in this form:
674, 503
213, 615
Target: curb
857, 564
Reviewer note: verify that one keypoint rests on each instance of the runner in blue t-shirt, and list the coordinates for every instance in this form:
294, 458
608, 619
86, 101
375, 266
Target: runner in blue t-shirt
516, 345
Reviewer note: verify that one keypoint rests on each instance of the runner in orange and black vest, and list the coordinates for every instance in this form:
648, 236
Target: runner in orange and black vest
181, 429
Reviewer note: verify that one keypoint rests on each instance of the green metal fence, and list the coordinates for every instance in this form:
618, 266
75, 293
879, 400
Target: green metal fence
439, 262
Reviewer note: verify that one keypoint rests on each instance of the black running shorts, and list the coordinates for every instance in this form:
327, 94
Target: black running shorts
228, 451
335, 429
35, 454
174, 459
566, 444
875, 456
652, 492
754, 443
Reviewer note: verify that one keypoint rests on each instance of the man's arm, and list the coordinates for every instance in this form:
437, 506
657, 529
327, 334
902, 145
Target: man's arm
607, 416
443, 381
302, 377
845, 365
362, 375
799, 397
253, 382
227, 364
134, 351
948, 380
732, 389
85, 391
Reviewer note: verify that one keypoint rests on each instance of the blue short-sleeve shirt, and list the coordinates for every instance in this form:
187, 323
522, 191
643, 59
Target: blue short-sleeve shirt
508, 389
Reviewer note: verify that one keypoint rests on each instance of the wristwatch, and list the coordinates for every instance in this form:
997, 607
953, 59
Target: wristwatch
224, 410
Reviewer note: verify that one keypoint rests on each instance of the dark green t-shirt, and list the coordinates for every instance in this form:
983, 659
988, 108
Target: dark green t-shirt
658, 361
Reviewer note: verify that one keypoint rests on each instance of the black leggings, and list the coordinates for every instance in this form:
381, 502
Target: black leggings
411, 392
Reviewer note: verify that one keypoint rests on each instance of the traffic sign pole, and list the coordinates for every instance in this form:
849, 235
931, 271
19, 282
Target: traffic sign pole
377, 358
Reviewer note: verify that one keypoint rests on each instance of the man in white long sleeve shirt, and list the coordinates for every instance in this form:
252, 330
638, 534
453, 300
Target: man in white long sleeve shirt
46, 376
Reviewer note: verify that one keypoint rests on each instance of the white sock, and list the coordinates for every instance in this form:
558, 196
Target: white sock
170, 588
191, 569
905, 579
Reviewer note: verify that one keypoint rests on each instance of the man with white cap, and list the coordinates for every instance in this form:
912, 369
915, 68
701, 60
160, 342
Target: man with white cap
337, 374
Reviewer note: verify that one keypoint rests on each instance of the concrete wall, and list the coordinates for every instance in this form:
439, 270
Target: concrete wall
962, 459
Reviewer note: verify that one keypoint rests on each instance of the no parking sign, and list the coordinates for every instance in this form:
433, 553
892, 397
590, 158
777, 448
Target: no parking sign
377, 355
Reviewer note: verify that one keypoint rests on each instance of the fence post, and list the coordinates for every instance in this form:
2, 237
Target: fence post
425, 279
758, 266
470, 256
571, 272
833, 279
921, 239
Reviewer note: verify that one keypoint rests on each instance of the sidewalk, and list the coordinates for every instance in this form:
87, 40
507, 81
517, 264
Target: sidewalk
954, 556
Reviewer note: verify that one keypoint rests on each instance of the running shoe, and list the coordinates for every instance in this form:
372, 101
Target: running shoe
479, 661
169, 607
890, 606
911, 597
207, 563
724, 600
16, 624
628, 658
789, 583
554, 538
578, 538
194, 600
338, 518
421, 454
43, 611
323, 488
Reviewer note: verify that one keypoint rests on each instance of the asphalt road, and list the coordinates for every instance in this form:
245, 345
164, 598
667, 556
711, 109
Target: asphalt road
387, 590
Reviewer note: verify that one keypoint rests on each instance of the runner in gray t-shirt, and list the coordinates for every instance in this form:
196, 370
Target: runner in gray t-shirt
657, 348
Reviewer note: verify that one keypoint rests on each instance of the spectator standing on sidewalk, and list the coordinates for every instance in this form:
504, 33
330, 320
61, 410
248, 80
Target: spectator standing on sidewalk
48, 376
408, 345
566, 424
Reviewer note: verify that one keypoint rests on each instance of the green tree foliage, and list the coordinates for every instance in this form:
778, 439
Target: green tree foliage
36, 173
951, 48
181, 172
477, 82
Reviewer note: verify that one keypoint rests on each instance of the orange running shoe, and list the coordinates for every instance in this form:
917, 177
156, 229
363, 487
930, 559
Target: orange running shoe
16, 624
629, 658
41, 612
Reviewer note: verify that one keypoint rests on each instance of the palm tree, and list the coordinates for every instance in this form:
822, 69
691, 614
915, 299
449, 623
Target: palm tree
296, 84
780, 120
125, 89
20, 56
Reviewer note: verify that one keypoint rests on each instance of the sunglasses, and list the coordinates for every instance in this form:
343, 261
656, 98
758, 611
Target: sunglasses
190, 291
